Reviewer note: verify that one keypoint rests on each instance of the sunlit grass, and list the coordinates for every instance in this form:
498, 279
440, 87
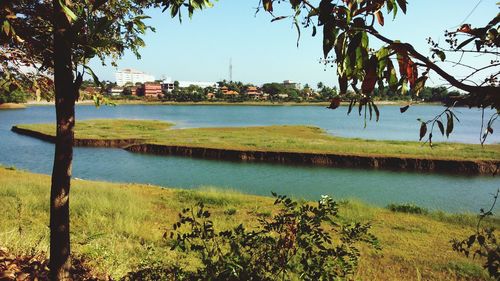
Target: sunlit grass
119, 227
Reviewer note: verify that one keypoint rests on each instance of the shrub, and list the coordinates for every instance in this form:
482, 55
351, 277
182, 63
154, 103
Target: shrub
407, 208
296, 243
15, 96
482, 244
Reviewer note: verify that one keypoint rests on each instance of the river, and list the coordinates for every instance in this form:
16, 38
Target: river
452, 193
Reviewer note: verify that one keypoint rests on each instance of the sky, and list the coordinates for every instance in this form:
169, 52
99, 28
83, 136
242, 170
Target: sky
200, 49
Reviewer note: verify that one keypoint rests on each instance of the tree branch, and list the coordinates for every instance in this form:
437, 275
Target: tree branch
494, 92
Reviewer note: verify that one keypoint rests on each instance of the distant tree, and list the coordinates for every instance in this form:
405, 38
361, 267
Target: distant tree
127, 91
88, 83
15, 96
293, 95
273, 89
320, 85
327, 93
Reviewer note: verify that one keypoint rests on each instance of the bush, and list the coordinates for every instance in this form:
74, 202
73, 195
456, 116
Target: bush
15, 96
482, 244
408, 208
296, 243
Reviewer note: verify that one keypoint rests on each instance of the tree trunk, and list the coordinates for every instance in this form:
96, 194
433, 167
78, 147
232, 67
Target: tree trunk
60, 262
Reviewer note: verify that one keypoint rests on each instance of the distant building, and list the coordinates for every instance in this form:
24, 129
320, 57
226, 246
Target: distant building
167, 85
185, 84
230, 93
210, 96
253, 92
291, 84
132, 90
91, 90
116, 91
133, 76
152, 90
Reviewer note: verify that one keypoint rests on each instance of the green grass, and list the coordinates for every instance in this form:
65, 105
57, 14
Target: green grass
119, 227
305, 139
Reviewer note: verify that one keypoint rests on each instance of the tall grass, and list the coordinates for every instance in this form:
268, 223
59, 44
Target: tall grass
119, 227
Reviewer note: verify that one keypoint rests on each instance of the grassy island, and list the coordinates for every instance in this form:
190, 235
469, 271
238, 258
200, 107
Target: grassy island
118, 227
301, 139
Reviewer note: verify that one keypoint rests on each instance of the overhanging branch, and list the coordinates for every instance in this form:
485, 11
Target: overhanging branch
490, 93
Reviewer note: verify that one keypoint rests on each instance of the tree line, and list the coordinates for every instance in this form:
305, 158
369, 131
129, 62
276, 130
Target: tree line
279, 92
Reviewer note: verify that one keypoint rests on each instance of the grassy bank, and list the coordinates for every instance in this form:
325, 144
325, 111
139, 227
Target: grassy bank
304, 139
119, 227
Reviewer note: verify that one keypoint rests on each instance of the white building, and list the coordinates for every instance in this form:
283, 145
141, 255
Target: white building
167, 84
133, 76
185, 84
291, 84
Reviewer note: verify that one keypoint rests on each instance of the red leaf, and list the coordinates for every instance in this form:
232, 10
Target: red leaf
403, 61
465, 28
380, 17
411, 72
370, 76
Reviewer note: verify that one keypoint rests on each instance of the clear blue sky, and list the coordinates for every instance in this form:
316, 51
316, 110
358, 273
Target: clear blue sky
199, 49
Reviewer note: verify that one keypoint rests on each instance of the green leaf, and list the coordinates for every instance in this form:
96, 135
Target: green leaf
351, 104
94, 76
278, 18
360, 58
440, 126
329, 36
391, 78
69, 13
402, 4
296, 23
440, 54
449, 124
419, 84
463, 44
364, 40
404, 86
354, 43
377, 112
382, 56
6, 27
423, 130
392, 7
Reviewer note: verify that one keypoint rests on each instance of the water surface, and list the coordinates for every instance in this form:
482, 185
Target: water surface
452, 193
